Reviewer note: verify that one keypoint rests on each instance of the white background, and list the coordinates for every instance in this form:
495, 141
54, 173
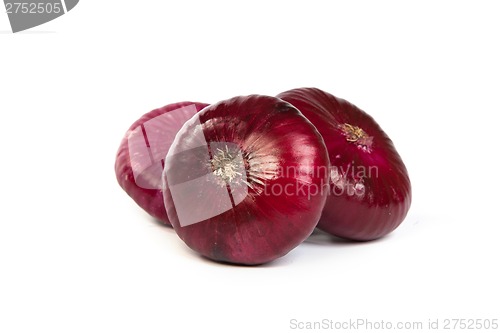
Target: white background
76, 253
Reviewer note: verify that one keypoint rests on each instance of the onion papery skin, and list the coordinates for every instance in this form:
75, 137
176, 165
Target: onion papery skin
140, 158
370, 190
245, 180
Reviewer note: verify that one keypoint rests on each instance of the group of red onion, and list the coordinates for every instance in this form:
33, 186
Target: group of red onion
248, 179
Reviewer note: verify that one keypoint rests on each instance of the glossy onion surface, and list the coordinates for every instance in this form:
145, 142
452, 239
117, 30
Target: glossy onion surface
246, 180
370, 191
141, 155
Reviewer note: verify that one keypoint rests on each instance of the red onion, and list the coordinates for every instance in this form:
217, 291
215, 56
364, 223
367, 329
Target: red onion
140, 158
245, 180
370, 191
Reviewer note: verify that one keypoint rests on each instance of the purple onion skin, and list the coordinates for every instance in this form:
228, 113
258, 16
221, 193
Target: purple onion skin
370, 191
263, 136
140, 157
